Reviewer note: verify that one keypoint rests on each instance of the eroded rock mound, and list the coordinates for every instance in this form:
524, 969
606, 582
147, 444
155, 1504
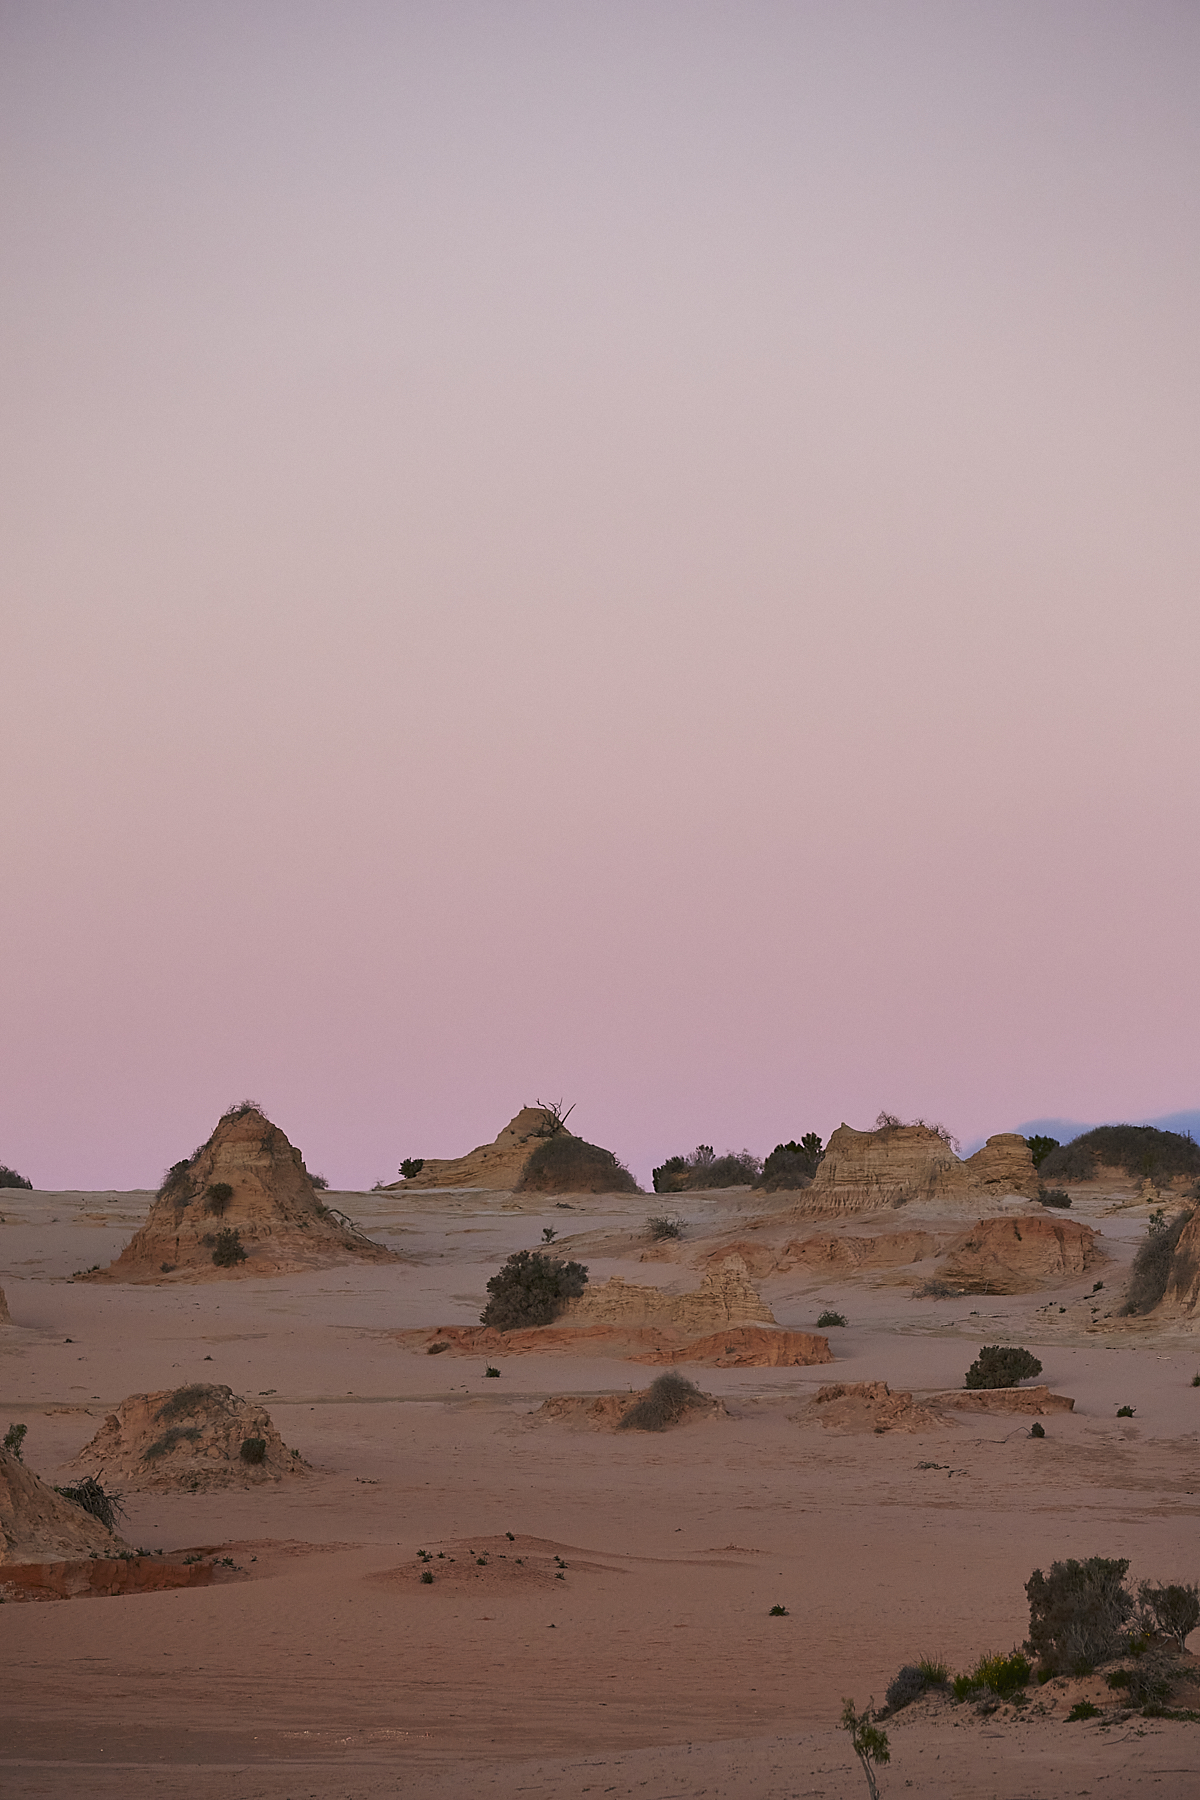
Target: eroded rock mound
39, 1525
747, 1347
1002, 1400
869, 1406
606, 1412
865, 1170
725, 1297
498, 1165
245, 1190
1182, 1296
198, 1437
1020, 1255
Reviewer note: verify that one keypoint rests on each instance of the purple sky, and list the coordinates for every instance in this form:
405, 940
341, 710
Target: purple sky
644, 553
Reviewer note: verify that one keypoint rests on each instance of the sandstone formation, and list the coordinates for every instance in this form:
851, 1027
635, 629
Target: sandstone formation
604, 1412
747, 1347
1019, 1255
829, 1253
199, 1437
869, 1406
281, 1221
39, 1525
1002, 1400
1182, 1296
724, 1297
865, 1170
498, 1165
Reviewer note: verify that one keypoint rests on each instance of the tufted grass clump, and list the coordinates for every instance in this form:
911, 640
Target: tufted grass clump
662, 1226
1002, 1675
829, 1318
667, 1400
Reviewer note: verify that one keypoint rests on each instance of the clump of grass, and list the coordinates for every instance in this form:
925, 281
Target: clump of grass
427, 1577
662, 1226
1036, 1430
1002, 1675
1082, 1709
1125, 1412
666, 1401
936, 1289
492, 1372
778, 1612
828, 1318
1002, 1366
1054, 1196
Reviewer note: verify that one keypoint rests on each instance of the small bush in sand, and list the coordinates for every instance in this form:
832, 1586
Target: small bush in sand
1002, 1366
935, 1290
870, 1744
1054, 1196
14, 1437
187, 1400
427, 1577
567, 1165
531, 1289
217, 1196
1036, 1430
1174, 1610
1125, 1412
778, 1612
1077, 1614
229, 1250
905, 1687
1082, 1709
665, 1403
10, 1179
253, 1450
1152, 1265
661, 1227
90, 1495
828, 1318
412, 1165
704, 1169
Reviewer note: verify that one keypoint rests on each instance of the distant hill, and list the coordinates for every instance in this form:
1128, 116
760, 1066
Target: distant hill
1067, 1129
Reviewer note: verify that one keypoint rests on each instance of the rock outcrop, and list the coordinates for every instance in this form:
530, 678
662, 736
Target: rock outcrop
39, 1525
736, 1346
725, 1297
1182, 1296
865, 1170
199, 1437
747, 1347
605, 1412
868, 1406
249, 1180
534, 1154
1019, 1255
1038, 1400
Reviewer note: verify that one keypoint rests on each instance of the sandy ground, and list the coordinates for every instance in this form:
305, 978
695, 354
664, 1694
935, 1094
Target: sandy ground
321, 1666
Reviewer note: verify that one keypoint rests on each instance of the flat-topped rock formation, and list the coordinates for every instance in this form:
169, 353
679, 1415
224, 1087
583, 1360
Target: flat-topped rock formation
245, 1190
1010, 1255
868, 1406
190, 1438
39, 1525
535, 1153
865, 1170
725, 1297
1037, 1400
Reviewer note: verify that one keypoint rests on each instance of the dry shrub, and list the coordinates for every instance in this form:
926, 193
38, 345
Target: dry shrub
1151, 1269
531, 1289
665, 1403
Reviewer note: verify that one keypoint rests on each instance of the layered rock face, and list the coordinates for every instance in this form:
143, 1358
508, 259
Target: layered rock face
200, 1437
249, 1179
1183, 1283
725, 1297
1019, 1255
865, 1170
38, 1525
498, 1165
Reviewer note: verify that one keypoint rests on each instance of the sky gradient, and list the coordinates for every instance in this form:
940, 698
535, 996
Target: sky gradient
640, 553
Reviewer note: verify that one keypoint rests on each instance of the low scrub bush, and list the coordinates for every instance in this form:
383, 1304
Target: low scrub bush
10, 1179
828, 1318
1150, 1680
661, 1227
563, 1164
217, 1196
1040, 1148
704, 1169
178, 1434
1174, 1610
1054, 1196
792, 1165
1082, 1709
90, 1495
887, 1121
1151, 1269
412, 1165
1140, 1150
665, 1403
1002, 1675
937, 1289
187, 1400
907, 1685
531, 1289
14, 1437
1078, 1613
253, 1450
1002, 1366
228, 1250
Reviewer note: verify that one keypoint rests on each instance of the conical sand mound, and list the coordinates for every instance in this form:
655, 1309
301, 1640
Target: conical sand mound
38, 1525
535, 1153
199, 1437
246, 1180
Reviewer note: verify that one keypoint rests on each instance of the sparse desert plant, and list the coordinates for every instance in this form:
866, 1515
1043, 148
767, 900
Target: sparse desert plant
1152, 1265
778, 1612
1082, 1709
187, 1400
1040, 1148
14, 1437
228, 1250
427, 1577
907, 1685
90, 1495
870, 1744
492, 1373
1077, 1613
703, 1170
661, 1226
664, 1403
10, 1179
531, 1289
217, 1196
548, 1234
1174, 1610
563, 1164
320, 1182
1196, 1380
1036, 1430
828, 1318
1002, 1675
1125, 1412
1002, 1366
887, 1121
412, 1165
936, 1289
1054, 1196
556, 1118
253, 1450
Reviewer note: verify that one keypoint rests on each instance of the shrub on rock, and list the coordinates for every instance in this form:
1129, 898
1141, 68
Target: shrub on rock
531, 1289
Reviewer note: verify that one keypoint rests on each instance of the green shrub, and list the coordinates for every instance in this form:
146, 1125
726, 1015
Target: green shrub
1125, 1412
792, 1165
1003, 1675
907, 1685
661, 1227
10, 1179
778, 1612
563, 1164
1036, 1430
320, 1182
253, 1450
217, 1196
665, 1402
1082, 1709
531, 1289
828, 1318
1002, 1366
870, 1744
704, 1170
1139, 1150
1054, 1196
412, 1165
1040, 1148
14, 1437
229, 1250
1151, 1269
1175, 1610
427, 1577
90, 1495
1077, 1613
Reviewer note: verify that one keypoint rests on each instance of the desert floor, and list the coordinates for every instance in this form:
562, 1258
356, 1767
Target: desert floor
321, 1666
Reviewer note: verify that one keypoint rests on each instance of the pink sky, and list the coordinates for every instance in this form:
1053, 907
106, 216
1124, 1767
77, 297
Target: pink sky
644, 553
